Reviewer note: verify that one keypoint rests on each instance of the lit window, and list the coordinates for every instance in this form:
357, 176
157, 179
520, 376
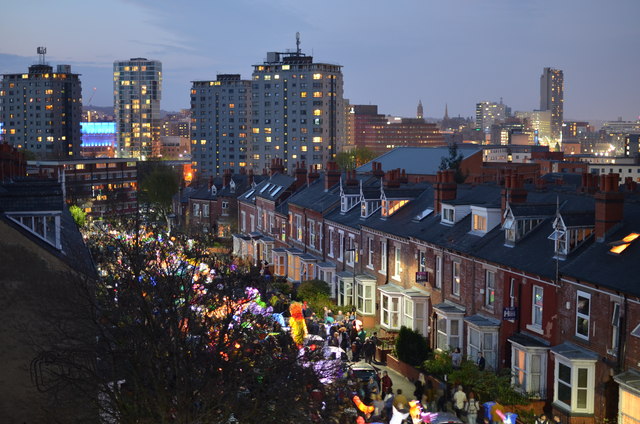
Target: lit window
537, 306
317, 112
256, 130
583, 312
490, 288
317, 94
317, 76
317, 139
303, 94
455, 279
479, 223
529, 369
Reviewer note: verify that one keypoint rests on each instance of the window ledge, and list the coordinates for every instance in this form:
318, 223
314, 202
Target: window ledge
535, 329
370, 266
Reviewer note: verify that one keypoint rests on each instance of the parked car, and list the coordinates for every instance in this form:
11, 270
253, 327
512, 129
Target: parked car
446, 418
363, 371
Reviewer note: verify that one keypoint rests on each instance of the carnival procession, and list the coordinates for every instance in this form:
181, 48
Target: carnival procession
246, 340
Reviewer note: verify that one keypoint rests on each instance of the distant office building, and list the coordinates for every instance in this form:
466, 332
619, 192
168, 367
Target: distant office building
297, 111
100, 186
98, 139
177, 125
41, 110
539, 123
137, 87
380, 133
488, 114
621, 127
220, 128
575, 130
552, 98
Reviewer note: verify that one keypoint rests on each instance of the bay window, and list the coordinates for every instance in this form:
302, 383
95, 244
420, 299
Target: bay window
365, 296
529, 366
449, 321
482, 336
390, 310
574, 380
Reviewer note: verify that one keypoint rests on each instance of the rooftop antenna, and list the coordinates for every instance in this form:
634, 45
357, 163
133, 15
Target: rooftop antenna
42, 51
298, 43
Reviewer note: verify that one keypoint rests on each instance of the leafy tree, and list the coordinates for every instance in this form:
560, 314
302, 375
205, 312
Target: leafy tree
453, 162
183, 340
487, 385
79, 216
358, 156
317, 294
411, 347
157, 189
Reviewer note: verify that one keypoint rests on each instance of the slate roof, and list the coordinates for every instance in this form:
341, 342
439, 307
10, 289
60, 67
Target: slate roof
314, 196
271, 188
418, 160
41, 196
597, 265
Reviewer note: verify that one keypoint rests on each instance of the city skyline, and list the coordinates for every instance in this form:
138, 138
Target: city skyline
481, 52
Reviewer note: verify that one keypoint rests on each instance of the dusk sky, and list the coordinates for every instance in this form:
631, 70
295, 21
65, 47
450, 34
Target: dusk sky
393, 54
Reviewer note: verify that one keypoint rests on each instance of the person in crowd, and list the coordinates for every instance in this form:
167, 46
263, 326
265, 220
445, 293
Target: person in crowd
419, 391
459, 401
542, 419
481, 362
456, 358
472, 408
387, 384
368, 349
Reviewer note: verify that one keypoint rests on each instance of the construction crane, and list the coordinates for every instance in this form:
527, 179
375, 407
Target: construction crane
89, 105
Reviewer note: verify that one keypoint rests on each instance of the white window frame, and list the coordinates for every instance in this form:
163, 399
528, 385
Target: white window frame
615, 328
252, 222
330, 254
438, 267
479, 223
397, 262
370, 242
365, 297
537, 310
243, 219
583, 316
351, 250
587, 387
628, 399
528, 374
444, 334
410, 315
387, 313
489, 288
490, 352
448, 215
341, 243
383, 256
345, 291
455, 278
312, 234
298, 221
422, 261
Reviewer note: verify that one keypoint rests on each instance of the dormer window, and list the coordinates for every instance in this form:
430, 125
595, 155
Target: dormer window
348, 201
389, 207
567, 239
368, 207
448, 215
45, 226
479, 223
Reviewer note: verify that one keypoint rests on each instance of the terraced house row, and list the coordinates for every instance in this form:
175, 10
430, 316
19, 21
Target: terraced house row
541, 276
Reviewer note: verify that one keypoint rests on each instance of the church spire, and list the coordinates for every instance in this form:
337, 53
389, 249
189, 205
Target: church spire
420, 114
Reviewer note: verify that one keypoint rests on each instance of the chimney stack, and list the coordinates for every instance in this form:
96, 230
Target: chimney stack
226, 178
277, 166
609, 205
313, 174
377, 169
250, 177
445, 188
352, 181
332, 175
392, 179
300, 174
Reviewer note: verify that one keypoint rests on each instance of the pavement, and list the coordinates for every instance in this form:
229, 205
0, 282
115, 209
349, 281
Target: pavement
399, 381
